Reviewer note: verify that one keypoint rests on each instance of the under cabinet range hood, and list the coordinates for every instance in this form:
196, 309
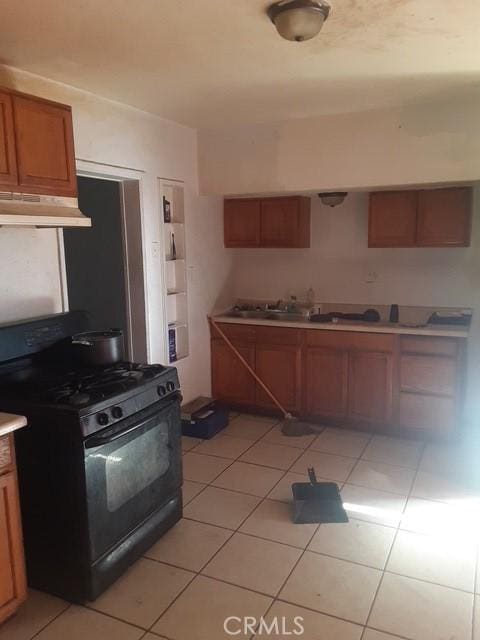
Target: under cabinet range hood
30, 210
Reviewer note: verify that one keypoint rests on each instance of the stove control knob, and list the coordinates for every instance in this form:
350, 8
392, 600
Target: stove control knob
170, 386
117, 413
103, 419
161, 390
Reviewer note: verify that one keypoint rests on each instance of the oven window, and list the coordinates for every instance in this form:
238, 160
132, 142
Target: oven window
132, 467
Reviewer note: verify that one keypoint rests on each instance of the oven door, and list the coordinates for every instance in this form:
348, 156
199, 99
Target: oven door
132, 469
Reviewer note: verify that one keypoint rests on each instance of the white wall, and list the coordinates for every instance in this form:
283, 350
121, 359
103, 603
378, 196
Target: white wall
426, 143
338, 262
114, 134
437, 142
209, 287
29, 273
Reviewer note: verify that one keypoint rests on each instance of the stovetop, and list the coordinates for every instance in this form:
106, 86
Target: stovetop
58, 385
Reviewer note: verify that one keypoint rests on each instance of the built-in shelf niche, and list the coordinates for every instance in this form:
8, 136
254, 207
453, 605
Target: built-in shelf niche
175, 269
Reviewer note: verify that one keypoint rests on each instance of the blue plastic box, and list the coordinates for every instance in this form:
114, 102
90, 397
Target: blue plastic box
203, 418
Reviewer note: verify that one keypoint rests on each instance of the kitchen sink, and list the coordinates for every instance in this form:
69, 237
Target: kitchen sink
251, 313
285, 316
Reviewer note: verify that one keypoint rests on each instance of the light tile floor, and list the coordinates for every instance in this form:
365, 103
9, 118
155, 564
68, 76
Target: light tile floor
405, 566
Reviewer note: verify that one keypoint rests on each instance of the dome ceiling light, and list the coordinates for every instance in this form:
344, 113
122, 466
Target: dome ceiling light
298, 20
333, 198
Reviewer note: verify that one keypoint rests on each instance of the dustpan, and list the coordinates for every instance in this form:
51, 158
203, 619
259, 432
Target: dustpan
315, 502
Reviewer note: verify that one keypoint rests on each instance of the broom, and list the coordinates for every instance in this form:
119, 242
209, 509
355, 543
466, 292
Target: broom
291, 426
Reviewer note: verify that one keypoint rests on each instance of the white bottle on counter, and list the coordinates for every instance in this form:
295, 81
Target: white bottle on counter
311, 297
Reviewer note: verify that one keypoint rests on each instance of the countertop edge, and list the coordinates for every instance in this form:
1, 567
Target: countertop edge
10, 422
371, 328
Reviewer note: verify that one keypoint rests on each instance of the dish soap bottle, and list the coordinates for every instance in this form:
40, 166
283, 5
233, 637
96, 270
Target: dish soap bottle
311, 297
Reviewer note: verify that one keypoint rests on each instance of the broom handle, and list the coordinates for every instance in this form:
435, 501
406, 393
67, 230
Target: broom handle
248, 367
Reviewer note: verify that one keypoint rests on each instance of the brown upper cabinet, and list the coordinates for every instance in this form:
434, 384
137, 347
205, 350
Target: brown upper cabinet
242, 223
392, 219
444, 217
36, 146
423, 218
8, 158
267, 222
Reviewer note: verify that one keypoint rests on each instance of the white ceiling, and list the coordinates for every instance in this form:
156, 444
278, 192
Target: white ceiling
214, 62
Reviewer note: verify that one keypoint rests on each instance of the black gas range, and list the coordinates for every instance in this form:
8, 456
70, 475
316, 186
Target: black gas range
99, 464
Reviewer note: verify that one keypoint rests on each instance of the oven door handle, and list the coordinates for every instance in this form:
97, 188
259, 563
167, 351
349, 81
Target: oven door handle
99, 441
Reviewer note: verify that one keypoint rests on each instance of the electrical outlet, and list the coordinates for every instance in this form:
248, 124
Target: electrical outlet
371, 277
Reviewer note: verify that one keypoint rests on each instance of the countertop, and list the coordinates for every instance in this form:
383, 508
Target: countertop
349, 325
10, 422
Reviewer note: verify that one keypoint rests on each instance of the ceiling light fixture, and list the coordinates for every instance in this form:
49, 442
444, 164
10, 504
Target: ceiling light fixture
333, 198
298, 20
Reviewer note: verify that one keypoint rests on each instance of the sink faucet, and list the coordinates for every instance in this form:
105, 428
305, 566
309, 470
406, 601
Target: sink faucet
292, 305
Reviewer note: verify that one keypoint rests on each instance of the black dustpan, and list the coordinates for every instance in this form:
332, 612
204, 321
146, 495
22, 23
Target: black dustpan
317, 501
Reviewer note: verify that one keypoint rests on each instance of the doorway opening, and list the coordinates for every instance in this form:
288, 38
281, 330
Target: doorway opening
104, 272
94, 260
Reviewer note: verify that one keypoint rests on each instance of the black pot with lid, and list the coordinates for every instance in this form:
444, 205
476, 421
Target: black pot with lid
99, 348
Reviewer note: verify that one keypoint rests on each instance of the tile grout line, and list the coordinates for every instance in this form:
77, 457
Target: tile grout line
195, 574
289, 470
474, 616
209, 484
358, 460
397, 528
237, 530
380, 582
233, 532
276, 597
37, 633
305, 549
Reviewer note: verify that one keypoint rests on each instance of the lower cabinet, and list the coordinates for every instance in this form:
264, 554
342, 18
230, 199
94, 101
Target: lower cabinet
434, 414
430, 385
231, 382
12, 565
326, 382
279, 366
370, 387
356, 385
354, 379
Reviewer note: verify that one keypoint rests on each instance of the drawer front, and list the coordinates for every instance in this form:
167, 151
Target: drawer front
238, 332
6, 455
429, 345
351, 340
280, 335
428, 374
431, 413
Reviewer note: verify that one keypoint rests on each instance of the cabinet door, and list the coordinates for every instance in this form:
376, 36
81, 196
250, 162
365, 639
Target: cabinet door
280, 220
428, 374
370, 387
444, 217
12, 568
279, 366
231, 382
392, 219
44, 143
434, 414
8, 160
326, 375
242, 223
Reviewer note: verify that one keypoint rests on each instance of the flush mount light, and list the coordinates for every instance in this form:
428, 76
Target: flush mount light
333, 198
298, 20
